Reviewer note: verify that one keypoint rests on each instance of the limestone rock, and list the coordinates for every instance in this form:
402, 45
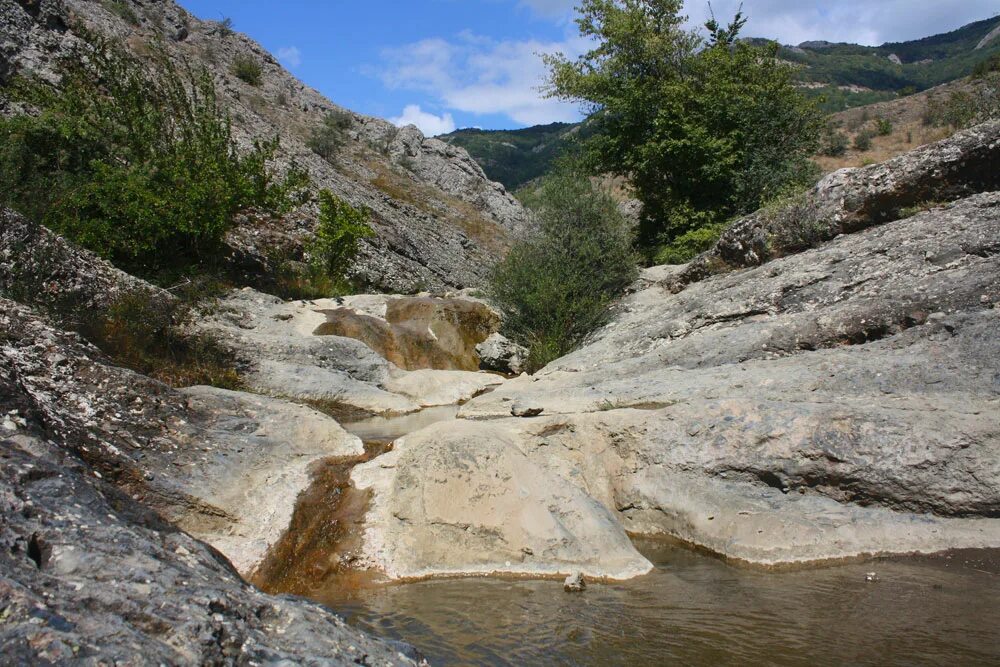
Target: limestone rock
93, 457
575, 583
463, 498
835, 402
498, 353
526, 410
849, 200
290, 350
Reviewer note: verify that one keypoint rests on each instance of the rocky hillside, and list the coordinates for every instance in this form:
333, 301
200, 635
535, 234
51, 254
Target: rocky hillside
440, 223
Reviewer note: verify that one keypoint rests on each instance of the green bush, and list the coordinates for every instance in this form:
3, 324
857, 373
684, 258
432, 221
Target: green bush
555, 286
136, 164
883, 126
983, 68
863, 141
225, 27
327, 139
119, 8
689, 245
964, 109
341, 227
835, 143
248, 69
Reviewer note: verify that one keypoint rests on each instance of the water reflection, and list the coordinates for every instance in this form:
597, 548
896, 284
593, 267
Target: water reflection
694, 609
387, 429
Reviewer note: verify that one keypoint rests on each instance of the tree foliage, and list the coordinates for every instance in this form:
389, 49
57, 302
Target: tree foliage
555, 286
341, 227
704, 128
136, 163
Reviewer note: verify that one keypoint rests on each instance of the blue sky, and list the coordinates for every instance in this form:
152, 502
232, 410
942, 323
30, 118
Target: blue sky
443, 64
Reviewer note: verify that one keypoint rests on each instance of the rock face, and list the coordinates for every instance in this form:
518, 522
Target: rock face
440, 222
88, 572
497, 353
289, 349
456, 498
832, 403
852, 199
418, 332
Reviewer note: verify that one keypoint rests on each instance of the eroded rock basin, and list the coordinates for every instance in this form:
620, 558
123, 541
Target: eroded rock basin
694, 609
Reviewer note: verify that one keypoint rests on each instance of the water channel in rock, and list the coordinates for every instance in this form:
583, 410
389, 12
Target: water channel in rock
694, 609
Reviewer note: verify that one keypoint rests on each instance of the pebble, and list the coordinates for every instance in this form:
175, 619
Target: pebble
575, 583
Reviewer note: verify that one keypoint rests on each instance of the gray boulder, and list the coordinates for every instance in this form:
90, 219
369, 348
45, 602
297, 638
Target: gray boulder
849, 200
498, 353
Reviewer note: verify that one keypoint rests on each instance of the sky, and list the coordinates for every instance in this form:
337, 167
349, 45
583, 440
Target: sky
447, 64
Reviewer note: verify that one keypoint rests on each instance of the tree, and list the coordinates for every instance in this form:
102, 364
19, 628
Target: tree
705, 129
554, 287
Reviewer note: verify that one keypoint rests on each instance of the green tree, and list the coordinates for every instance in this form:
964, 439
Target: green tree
705, 129
341, 227
554, 287
136, 162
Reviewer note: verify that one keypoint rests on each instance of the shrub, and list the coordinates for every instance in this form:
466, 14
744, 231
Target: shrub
119, 8
984, 67
146, 336
966, 108
341, 227
327, 139
835, 143
555, 286
863, 141
883, 126
225, 27
136, 164
248, 69
689, 245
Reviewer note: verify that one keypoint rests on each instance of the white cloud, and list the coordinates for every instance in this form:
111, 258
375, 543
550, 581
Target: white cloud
860, 21
290, 55
428, 123
479, 75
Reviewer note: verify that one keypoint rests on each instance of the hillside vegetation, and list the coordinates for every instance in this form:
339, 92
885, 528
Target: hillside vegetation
840, 76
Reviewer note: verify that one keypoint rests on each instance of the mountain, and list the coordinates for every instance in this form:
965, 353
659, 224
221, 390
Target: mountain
843, 75
849, 74
439, 222
514, 157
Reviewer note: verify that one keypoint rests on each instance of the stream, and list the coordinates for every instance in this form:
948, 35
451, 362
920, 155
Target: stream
692, 609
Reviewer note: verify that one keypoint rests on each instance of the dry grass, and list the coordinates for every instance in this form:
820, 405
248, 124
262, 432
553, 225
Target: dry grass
432, 201
904, 138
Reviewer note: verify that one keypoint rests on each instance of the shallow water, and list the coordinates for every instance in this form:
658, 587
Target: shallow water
387, 429
694, 609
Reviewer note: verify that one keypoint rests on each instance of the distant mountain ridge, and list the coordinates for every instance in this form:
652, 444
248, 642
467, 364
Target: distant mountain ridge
844, 75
